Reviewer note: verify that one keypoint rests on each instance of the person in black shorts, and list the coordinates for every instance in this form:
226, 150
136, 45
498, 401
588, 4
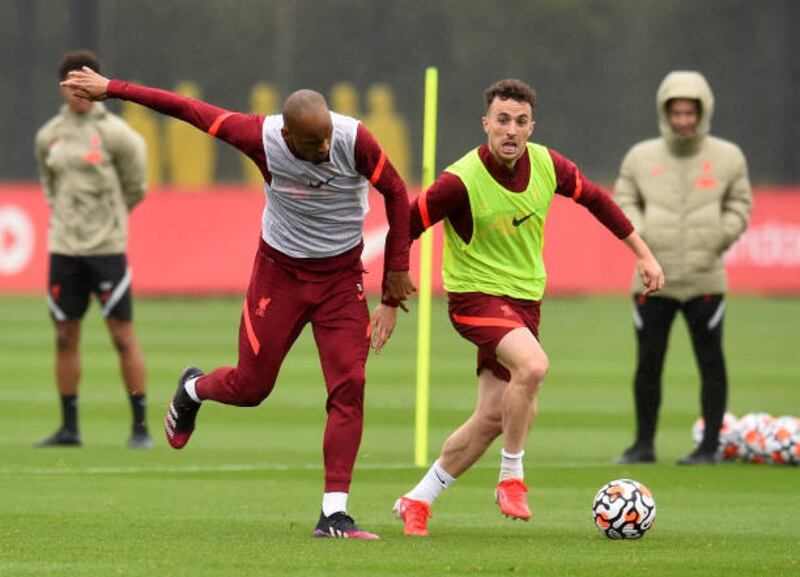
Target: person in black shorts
93, 169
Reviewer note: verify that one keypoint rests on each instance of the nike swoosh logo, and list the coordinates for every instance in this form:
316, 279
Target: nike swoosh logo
519, 221
320, 183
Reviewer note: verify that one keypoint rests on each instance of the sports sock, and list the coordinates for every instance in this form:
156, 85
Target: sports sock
189, 387
511, 465
333, 503
432, 484
69, 412
139, 409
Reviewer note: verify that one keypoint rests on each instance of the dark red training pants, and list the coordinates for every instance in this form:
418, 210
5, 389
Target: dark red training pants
278, 305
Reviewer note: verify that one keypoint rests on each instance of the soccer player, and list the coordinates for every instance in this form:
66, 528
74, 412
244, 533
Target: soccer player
689, 194
93, 170
317, 167
494, 202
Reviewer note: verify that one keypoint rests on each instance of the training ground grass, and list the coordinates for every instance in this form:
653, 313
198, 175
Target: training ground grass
242, 499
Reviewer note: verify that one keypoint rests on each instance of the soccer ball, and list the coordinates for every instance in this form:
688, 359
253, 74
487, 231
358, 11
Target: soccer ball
753, 430
624, 509
782, 444
728, 436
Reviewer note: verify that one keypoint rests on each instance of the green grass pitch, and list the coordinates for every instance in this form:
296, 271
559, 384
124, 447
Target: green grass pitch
242, 499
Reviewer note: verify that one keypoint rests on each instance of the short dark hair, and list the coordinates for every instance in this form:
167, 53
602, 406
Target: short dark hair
76, 60
510, 88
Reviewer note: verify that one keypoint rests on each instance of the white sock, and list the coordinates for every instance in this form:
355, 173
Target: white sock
334, 503
434, 482
511, 465
188, 386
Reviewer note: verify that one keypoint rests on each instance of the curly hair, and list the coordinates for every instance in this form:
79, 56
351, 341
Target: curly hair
510, 88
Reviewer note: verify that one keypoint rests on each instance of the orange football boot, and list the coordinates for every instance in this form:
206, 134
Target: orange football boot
414, 514
510, 495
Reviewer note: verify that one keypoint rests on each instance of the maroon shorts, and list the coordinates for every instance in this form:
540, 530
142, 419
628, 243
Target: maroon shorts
485, 319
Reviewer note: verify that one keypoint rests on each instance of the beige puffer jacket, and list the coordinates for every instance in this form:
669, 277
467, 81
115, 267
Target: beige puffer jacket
689, 198
93, 170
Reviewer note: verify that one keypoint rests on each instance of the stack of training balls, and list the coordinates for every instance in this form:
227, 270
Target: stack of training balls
756, 438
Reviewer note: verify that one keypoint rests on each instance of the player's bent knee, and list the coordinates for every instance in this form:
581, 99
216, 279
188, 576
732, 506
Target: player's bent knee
530, 375
251, 399
252, 393
349, 391
351, 402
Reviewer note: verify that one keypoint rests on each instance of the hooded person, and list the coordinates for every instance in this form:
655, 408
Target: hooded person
688, 195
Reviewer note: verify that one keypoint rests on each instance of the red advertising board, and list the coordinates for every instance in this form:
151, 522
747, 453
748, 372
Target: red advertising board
203, 242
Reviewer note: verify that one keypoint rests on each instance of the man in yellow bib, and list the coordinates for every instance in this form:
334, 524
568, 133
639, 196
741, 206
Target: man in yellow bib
494, 202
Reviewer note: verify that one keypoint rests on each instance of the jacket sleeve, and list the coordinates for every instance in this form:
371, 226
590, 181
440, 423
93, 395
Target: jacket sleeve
130, 162
46, 176
627, 193
737, 203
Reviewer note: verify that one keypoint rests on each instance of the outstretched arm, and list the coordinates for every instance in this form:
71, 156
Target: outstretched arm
646, 264
242, 131
570, 182
372, 162
397, 285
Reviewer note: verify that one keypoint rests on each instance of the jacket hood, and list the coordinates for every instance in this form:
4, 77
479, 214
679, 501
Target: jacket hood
685, 84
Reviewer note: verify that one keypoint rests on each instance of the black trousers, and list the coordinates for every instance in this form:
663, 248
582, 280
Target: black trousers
653, 318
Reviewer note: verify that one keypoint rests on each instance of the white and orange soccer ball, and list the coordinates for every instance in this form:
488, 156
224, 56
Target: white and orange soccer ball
782, 443
729, 448
624, 509
753, 430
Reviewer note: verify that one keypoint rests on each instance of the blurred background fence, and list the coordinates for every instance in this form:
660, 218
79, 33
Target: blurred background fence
596, 65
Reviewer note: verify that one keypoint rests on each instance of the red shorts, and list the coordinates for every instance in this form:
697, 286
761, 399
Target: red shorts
485, 319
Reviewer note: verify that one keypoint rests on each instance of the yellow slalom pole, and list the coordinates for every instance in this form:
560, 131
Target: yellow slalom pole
425, 271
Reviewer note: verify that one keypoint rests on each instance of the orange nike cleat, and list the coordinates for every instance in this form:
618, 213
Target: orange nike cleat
415, 515
510, 495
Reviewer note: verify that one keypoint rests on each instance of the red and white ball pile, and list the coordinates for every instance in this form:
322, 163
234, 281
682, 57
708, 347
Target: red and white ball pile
756, 438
